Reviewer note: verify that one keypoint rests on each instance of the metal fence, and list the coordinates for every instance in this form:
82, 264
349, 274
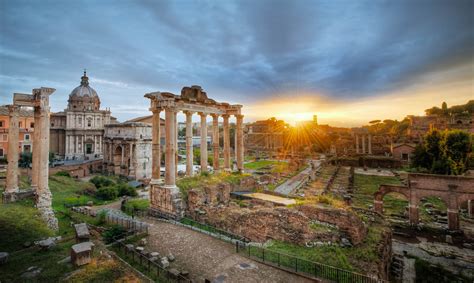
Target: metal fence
301, 266
145, 265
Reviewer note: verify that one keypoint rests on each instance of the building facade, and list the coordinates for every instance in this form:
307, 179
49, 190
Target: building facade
266, 136
77, 133
127, 149
26, 127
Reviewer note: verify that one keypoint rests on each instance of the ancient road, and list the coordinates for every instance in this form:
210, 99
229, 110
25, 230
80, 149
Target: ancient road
206, 257
294, 182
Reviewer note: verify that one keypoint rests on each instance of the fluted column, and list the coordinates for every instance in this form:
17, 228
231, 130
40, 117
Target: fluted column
12, 155
239, 143
203, 142
170, 158
215, 141
156, 144
189, 143
43, 194
226, 142
36, 151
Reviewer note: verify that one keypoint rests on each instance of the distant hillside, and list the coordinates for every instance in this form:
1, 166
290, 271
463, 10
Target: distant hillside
467, 108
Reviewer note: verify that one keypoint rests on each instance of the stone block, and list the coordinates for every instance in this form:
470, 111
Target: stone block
82, 232
81, 253
129, 247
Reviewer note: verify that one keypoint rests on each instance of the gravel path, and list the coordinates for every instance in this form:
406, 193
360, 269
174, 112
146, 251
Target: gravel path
206, 257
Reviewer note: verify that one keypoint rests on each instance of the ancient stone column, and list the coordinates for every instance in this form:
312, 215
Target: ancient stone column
156, 144
363, 144
176, 144
215, 141
413, 214
470, 210
170, 136
43, 194
189, 143
370, 143
131, 168
357, 144
453, 219
203, 142
239, 143
226, 142
13, 144
36, 151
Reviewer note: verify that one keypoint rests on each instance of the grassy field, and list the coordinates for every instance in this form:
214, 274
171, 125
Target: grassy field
20, 223
366, 186
361, 258
261, 164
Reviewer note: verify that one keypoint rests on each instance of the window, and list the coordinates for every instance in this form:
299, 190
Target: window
2, 124
27, 137
141, 136
20, 124
404, 156
80, 121
4, 137
32, 125
1, 152
52, 124
89, 123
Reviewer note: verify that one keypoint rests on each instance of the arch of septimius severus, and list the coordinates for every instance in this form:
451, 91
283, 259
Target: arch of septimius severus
165, 197
39, 100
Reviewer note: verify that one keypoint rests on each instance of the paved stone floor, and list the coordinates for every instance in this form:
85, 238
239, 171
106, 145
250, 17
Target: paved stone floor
206, 257
290, 185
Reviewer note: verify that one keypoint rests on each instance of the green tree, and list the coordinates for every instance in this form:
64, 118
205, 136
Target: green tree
456, 146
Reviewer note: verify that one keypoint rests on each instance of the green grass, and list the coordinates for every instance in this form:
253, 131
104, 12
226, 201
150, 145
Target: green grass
353, 259
261, 164
200, 181
136, 205
366, 186
20, 224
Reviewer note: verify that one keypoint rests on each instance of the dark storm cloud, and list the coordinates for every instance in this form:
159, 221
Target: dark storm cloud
237, 50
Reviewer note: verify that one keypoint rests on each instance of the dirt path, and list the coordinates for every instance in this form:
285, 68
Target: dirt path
208, 258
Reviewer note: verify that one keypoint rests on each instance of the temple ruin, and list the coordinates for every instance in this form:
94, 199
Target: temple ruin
165, 197
39, 100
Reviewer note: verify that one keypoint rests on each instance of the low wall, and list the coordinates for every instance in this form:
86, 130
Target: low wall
76, 170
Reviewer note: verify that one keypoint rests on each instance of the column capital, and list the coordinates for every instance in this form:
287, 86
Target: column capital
13, 109
187, 112
215, 116
202, 114
225, 116
156, 110
239, 116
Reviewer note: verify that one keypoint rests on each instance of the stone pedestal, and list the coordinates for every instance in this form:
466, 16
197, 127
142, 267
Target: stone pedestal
166, 200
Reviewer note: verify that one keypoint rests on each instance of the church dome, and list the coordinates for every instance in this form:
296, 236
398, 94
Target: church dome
84, 89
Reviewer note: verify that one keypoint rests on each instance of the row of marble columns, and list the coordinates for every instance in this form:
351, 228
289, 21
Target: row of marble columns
171, 144
362, 149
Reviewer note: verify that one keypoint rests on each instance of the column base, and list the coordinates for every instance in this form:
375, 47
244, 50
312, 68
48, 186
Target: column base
44, 205
166, 201
10, 196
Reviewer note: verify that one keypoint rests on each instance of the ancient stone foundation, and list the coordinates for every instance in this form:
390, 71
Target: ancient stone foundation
166, 201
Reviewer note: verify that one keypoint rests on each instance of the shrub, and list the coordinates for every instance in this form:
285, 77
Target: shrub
136, 205
63, 173
113, 234
100, 182
107, 193
126, 190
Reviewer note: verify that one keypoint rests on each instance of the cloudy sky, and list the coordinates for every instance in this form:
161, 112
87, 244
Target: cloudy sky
347, 61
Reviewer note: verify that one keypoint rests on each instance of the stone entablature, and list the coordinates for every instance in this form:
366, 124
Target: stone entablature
166, 197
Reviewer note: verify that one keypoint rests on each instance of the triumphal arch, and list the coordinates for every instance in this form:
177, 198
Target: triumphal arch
165, 197
39, 101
